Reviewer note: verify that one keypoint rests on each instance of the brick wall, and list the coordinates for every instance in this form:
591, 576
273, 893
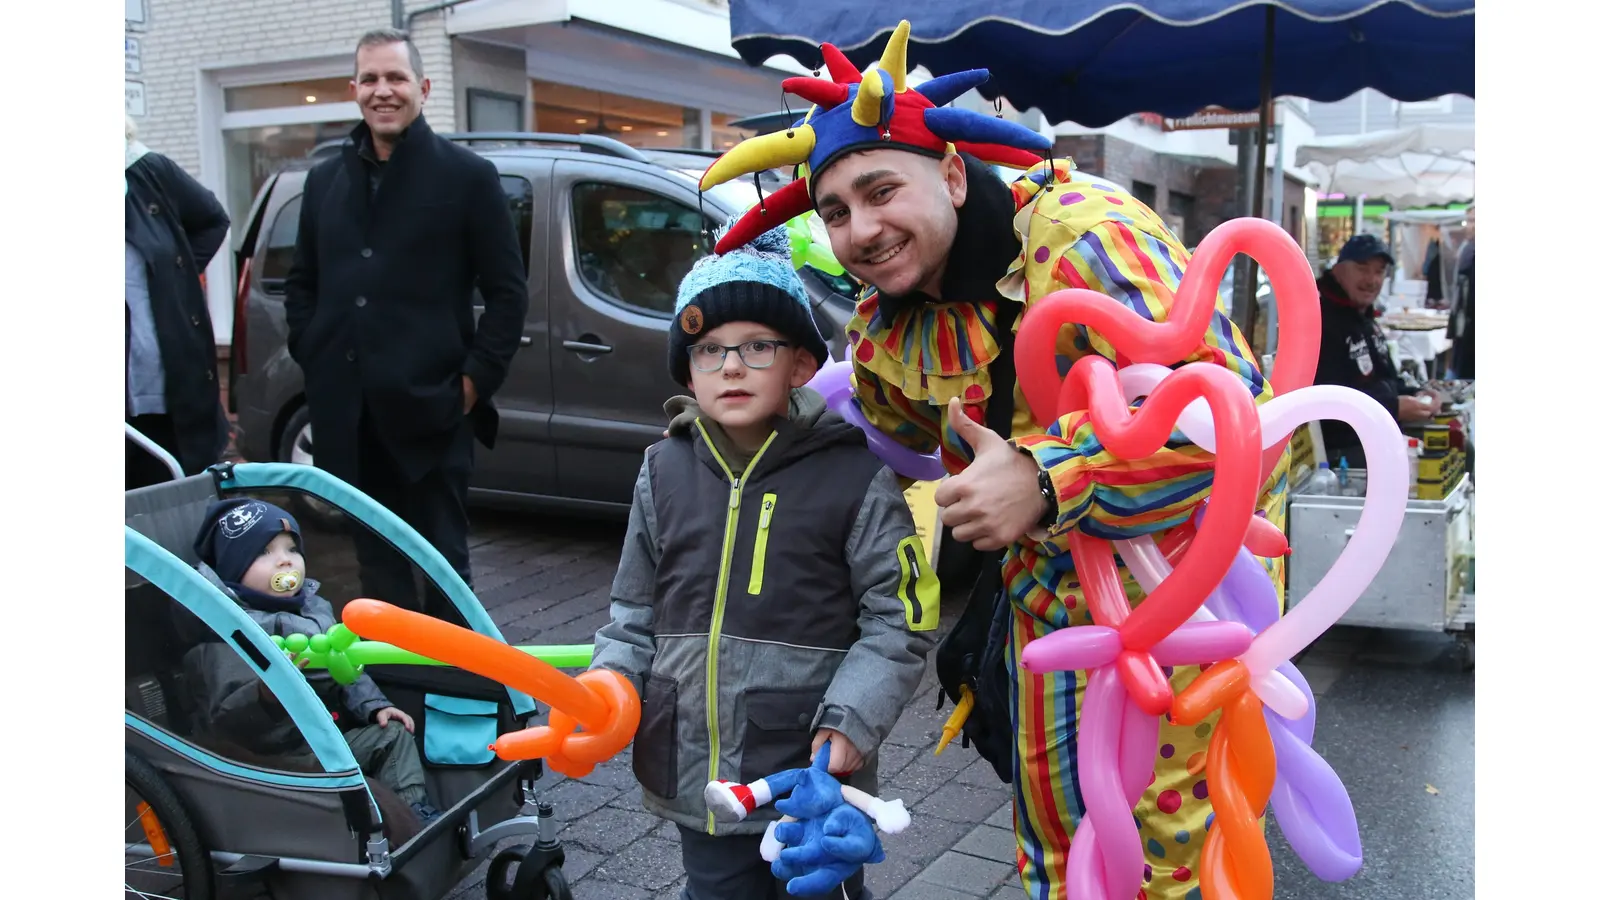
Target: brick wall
181, 37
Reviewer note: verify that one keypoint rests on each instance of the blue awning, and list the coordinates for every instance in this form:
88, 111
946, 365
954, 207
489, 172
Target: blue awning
1095, 62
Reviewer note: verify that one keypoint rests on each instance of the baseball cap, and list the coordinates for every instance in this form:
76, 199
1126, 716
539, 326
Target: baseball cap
1363, 247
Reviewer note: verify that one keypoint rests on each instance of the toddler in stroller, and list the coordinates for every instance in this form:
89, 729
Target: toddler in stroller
254, 551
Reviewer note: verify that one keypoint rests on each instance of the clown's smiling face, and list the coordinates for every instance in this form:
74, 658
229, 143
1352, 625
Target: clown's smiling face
891, 216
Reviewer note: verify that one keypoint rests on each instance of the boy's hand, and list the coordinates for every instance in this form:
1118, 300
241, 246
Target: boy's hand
843, 757
389, 712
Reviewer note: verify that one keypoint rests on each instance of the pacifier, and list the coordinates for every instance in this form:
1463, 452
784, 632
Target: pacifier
286, 582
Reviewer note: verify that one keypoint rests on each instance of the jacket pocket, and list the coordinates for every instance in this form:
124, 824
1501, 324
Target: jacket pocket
758, 559
655, 745
777, 733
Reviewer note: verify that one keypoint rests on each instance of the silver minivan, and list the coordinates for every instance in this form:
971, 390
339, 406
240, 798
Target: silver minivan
607, 231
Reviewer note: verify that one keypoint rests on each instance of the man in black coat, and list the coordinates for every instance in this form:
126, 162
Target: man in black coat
395, 232
1354, 352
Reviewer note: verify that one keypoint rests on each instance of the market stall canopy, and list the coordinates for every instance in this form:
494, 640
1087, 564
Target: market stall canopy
1424, 165
1095, 62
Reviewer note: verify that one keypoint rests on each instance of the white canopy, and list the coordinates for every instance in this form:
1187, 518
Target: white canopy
1423, 165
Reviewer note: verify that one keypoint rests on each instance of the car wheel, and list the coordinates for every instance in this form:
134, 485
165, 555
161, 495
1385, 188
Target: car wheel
296, 446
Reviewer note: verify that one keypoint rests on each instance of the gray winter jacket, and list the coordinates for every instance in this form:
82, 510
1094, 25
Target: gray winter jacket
753, 607
233, 702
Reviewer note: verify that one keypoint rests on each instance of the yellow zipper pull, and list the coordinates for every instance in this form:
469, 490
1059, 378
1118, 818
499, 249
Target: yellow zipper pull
733, 498
766, 512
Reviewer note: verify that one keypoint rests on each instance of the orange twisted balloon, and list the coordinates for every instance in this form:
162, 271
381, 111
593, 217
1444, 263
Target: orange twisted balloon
604, 703
1240, 763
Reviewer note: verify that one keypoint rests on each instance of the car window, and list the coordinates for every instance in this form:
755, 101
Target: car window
519, 194
279, 251
634, 246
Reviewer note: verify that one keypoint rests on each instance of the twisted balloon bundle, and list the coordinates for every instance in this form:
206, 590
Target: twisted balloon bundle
604, 703
1254, 754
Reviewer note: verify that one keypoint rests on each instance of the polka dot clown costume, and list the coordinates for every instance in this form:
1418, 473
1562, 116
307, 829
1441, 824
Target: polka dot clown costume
912, 359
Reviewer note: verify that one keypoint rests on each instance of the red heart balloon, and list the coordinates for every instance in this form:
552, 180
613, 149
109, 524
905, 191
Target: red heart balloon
1139, 340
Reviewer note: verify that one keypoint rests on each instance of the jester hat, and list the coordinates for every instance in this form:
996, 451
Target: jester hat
872, 111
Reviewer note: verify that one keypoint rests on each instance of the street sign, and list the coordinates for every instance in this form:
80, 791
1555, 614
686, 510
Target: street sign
135, 98
1213, 117
131, 55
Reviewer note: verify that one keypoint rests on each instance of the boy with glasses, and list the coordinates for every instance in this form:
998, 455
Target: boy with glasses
773, 593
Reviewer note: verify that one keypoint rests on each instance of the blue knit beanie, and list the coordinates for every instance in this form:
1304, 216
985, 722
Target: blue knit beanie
754, 283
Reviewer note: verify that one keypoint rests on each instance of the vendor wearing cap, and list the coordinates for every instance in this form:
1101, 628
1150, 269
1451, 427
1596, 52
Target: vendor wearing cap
953, 259
1354, 352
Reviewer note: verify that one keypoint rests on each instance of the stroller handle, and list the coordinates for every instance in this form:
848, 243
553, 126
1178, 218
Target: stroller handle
154, 449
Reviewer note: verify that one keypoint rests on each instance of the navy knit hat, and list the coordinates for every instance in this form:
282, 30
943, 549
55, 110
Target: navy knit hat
753, 283
1363, 247
237, 530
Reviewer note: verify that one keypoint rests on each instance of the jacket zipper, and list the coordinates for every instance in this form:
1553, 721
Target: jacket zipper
729, 533
758, 562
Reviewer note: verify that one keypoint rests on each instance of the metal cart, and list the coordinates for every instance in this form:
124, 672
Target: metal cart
1426, 583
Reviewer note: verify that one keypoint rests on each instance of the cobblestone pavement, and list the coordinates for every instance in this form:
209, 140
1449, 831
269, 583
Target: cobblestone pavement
1395, 720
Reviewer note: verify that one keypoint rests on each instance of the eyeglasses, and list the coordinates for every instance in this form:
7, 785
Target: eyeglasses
754, 354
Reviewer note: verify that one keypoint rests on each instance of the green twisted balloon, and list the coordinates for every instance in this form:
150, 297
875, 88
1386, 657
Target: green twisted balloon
808, 244
346, 656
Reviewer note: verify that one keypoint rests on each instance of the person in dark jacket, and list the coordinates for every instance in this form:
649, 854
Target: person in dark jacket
172, 228
253, 550
395, 232
759, 629
1463, 325
1354, 352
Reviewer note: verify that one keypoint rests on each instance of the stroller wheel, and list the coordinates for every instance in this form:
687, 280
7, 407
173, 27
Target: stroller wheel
550, 885
503, 871
170, 860
537, 875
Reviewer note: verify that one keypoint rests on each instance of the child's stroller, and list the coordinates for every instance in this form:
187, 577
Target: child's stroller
212, 819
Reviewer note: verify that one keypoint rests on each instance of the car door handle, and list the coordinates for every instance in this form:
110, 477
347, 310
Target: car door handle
525, 340
586, 347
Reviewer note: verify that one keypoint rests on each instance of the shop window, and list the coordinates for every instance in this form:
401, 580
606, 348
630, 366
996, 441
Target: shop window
724, 135
256, 154
287, 93
1144, 193
634, 246
564, 109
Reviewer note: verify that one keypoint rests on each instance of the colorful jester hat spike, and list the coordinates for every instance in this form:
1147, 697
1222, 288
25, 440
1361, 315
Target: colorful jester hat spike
855, 112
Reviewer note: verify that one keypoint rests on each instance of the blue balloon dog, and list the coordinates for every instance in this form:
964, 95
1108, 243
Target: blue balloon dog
826, 832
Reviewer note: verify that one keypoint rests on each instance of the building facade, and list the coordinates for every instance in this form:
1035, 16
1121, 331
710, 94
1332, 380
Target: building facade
231, 89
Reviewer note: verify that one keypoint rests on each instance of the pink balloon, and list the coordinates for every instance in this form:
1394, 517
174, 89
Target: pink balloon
1114, 763
1202, 643
1075, 649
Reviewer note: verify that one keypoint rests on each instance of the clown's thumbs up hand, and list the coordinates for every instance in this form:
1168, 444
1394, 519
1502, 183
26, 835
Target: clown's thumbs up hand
996, 500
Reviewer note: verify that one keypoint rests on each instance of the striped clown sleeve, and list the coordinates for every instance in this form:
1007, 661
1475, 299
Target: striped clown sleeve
1105, 496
